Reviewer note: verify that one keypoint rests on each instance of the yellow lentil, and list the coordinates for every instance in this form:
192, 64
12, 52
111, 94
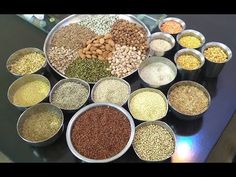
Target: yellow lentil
190, 42
188, 61
148, 106
31, 93
27, 64
215, 54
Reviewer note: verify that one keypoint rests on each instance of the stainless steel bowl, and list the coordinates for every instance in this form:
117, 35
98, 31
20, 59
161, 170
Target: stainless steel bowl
212, 69
164, 36
181, 22
81, 111
76, 18
189, 74
190, 32
61, 82
22, 52
34, 110
181, 115
162, 124
154, 59
150, 90
23, 80
109, 78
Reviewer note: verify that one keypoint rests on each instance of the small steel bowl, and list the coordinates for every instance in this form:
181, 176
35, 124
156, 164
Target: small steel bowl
164, 36
110, 78
144, 90
190, 32
61, 82
185, 73
181, 22
154, 59
181, 115
22, 52
80, 112
212, 69
23, 80
34, 110
162, 124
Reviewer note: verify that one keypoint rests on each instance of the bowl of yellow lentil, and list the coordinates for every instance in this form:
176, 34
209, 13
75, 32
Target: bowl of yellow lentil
189, 63
148, 104
28, 91
216, 55
27, 61
154, 141
40, 125
188, 100
191, 39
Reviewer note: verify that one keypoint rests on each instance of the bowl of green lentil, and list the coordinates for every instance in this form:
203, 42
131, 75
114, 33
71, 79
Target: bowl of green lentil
191, 39
27, 61
70, 94
28, 90
111, 90
40, 125
217, 55
154, 141
148, 104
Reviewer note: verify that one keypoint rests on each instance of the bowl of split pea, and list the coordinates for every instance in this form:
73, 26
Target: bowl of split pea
27, 61
40, 125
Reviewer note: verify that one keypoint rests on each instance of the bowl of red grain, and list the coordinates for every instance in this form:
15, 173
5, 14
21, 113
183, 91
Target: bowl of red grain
100, 133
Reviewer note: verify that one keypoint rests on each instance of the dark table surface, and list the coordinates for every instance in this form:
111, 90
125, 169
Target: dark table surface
195, 139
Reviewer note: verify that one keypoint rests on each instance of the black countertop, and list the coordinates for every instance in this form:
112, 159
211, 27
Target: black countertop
195, 139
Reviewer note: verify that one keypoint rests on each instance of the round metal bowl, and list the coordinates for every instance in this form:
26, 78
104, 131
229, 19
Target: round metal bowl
191, 32
162, 124
155, 59
181, 115
165, 36
76, 18
34, 110
185, 73
181, 22
110, 78
23, 52
212, 69
81, 111
150, 90
61, 82
23, 80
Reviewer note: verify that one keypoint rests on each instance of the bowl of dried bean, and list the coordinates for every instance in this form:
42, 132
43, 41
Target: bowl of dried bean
91, 47
28, 90
154, 141
40, 125
216, 55
188, 100
172, 25
27, 61
70, 94
100, 132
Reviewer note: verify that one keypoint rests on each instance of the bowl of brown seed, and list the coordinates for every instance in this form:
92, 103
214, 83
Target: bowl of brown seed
27, 61
41, 124
188, 100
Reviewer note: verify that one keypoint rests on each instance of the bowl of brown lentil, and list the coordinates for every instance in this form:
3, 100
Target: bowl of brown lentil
27, 61
40, 125
148, 104
216, 55
28, 90
100, 132
191, 39
70, 94
189, 63
111, 90
188, 100
154, 141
